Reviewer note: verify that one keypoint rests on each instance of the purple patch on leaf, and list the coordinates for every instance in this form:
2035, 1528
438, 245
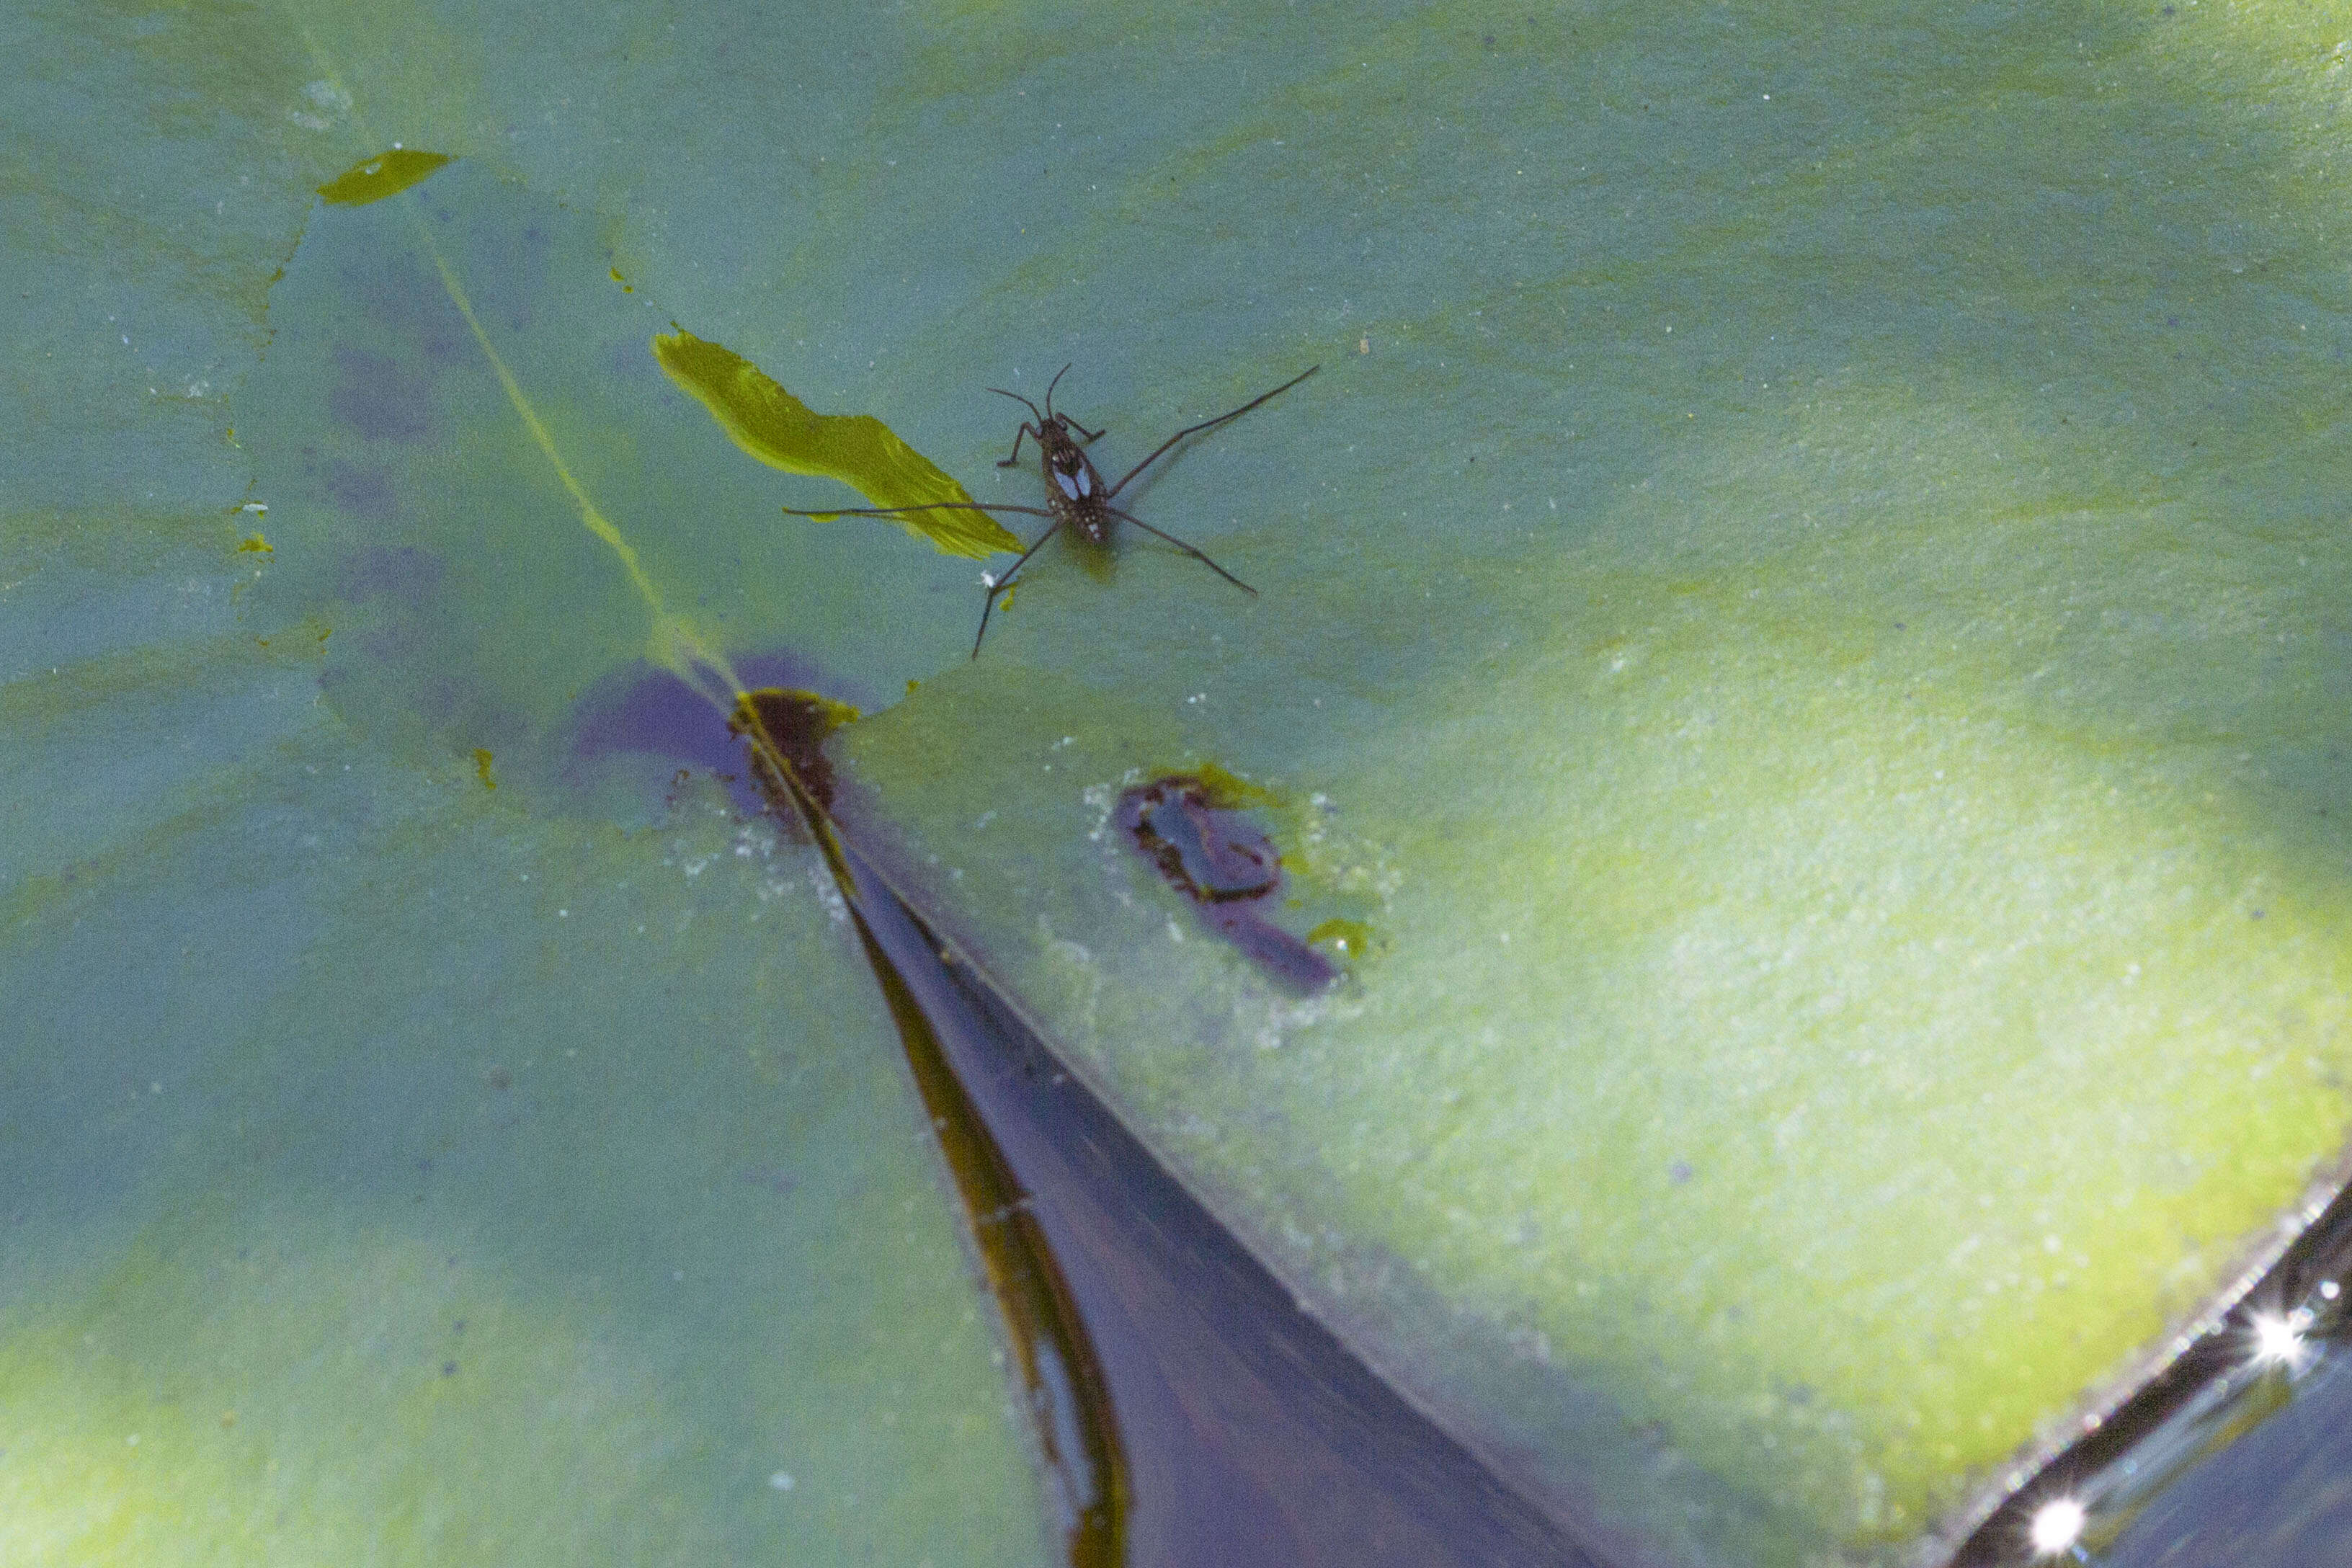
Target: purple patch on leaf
362, 493
379, 398
651, 711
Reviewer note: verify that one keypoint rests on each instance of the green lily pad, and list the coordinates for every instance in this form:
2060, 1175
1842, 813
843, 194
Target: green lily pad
368, 1215
1820, 643
398, 1166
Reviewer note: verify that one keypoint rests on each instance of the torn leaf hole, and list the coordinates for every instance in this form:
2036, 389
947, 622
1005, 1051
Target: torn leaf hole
1193, 830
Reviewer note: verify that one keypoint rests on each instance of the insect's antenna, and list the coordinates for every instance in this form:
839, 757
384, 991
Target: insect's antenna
1005, 582
1208, 425
1188, 550
1018, 398
1049, 389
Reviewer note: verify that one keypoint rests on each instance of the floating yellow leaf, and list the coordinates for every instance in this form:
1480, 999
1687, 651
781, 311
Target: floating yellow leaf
858, 449
386, 174
1350, 937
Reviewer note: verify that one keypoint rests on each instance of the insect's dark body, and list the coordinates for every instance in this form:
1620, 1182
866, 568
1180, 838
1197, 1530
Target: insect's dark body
1074, 490
1075, 495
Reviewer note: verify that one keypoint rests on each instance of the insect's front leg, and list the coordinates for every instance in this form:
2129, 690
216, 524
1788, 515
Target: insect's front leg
1032, 433
1089, 435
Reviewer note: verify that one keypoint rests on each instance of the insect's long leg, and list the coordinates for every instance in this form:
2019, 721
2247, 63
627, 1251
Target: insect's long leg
1188, 550
902, 511
1089, 435
1024, 430
1209, 425
1002, 584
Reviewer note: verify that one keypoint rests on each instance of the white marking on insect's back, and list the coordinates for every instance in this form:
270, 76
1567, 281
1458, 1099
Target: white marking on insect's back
1086, 483
1070, 486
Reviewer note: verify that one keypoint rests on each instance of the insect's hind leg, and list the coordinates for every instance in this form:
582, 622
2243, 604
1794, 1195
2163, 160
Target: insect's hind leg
1194, 551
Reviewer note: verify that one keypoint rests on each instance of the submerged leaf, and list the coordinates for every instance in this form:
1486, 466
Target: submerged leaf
858, 449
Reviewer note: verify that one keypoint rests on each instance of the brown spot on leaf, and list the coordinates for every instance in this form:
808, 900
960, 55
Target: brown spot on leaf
794, 725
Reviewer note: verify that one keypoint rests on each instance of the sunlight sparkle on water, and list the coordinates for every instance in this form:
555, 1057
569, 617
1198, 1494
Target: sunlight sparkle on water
2057, 1525
2279, 1339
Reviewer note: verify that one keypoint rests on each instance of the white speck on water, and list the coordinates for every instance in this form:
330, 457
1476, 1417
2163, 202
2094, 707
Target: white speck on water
782, 1480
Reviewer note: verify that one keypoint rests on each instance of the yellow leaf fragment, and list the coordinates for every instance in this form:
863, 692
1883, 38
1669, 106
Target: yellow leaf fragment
1349, 937
858, 449
386, 174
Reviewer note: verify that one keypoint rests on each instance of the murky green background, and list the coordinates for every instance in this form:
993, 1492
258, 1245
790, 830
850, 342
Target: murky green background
1805, 610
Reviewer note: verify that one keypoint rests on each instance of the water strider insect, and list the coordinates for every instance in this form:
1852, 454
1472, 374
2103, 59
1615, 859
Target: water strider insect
1074, 493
